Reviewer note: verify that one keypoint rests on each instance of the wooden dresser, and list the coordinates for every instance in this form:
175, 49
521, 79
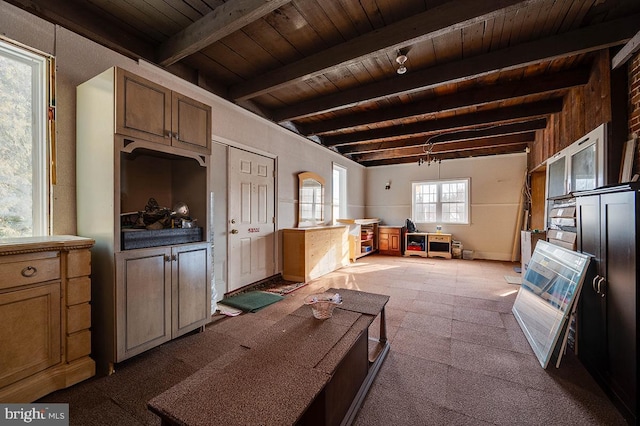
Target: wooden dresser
45, 313
309, 253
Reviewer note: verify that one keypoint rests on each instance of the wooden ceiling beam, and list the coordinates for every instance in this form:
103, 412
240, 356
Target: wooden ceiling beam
445, 18
462, 135
220, 22
481, 152
519, 112
478, 96
90, 23
575, 42
626, 52
447, 147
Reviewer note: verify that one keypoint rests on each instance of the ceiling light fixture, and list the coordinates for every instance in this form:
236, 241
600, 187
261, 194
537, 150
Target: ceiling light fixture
401, 59
428, 154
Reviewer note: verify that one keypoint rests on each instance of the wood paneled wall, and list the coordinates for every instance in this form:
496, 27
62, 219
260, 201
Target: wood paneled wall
634, 103
584, 109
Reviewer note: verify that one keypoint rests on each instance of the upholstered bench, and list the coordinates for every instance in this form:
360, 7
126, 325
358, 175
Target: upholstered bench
300, 371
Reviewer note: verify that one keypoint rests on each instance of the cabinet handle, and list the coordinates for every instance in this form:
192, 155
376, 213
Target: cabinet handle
167, 134
176, 136
29, 271
601, 291
593, 283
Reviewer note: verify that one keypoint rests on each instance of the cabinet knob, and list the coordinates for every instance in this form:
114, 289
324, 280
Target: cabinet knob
29, 271
167, 258
176, 136
234, 231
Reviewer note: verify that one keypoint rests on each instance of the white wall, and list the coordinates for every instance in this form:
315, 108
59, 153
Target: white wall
78, 59
496, 184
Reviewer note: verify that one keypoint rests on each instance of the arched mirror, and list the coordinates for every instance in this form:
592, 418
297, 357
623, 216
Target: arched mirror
311, 199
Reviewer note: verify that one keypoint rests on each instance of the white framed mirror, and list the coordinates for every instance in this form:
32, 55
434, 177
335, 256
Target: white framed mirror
311, 199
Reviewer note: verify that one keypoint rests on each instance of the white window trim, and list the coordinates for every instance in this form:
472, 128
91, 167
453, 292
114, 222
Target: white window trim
439, 182
342, 202
40, 175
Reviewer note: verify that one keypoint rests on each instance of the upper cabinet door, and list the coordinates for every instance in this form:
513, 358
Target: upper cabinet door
191, 124
143, 108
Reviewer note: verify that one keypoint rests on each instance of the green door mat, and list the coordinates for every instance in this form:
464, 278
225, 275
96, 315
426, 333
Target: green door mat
251, 301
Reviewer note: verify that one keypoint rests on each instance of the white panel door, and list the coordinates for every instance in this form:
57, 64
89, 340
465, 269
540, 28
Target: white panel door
251, 227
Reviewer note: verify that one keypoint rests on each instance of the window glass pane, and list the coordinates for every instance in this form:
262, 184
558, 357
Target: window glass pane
556, 178
583, 169
21, 117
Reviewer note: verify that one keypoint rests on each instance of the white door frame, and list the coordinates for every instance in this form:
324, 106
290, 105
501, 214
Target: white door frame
276, 240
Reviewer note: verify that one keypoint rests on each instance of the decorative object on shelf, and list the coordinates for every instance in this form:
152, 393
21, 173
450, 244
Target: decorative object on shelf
181, 210
154, 216
322, 305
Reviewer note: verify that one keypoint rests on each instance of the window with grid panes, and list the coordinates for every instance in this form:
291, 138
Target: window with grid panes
443, 201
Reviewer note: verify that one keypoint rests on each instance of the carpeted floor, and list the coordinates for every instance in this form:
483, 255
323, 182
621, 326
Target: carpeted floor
457, 355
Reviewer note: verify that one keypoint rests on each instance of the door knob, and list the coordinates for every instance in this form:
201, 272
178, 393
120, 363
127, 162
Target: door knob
234, 231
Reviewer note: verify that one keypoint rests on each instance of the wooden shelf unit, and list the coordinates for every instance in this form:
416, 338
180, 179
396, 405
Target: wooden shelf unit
363, 237
415, 244
148, 295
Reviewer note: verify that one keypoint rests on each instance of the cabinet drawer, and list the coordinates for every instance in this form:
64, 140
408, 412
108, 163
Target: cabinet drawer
440, 238
78, 291
78, 345
29, 268
78, 317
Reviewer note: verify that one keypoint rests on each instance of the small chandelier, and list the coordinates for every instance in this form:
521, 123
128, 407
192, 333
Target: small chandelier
428, 154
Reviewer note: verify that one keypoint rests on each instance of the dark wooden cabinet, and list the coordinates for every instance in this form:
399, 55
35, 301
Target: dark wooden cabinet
390, 240
607, 225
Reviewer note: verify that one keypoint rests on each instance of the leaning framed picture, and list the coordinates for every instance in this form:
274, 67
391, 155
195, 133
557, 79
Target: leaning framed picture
549, 289
626, 167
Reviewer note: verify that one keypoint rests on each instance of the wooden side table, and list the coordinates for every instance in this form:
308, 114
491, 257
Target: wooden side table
439, 245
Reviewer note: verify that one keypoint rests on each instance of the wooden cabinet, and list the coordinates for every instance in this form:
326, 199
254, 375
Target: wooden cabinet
416, 244
391, 240
45, 294
439, 245
162, 293
149, 111
309, 253
363, 237
607, 225
150, 286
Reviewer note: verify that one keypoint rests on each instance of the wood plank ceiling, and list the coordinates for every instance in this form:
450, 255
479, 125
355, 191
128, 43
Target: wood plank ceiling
482, 76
